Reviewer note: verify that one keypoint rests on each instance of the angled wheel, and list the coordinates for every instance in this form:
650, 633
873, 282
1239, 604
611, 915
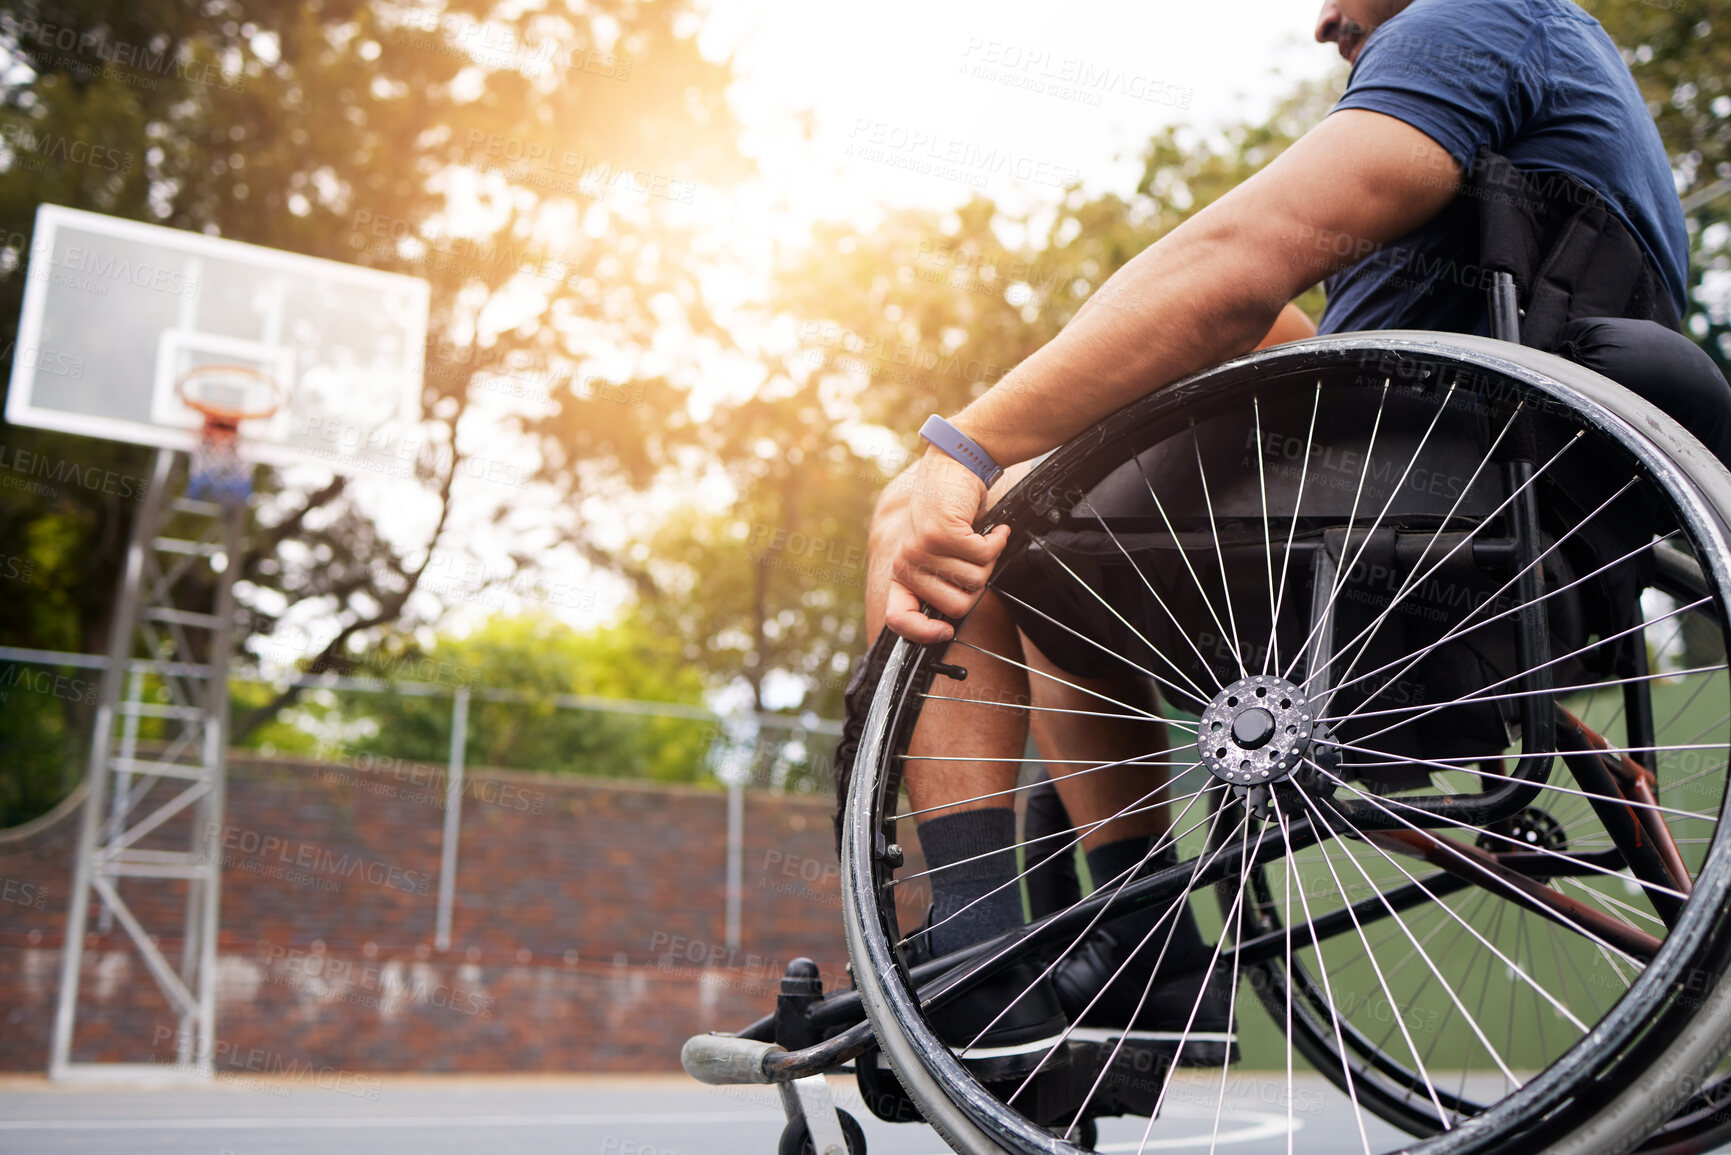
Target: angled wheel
1437, 626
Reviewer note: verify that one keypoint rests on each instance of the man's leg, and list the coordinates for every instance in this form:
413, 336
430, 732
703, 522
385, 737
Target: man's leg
1118, 802
967, 754
1123, 813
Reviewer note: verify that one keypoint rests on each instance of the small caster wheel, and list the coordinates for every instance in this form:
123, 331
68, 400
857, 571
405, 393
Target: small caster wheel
796, 1139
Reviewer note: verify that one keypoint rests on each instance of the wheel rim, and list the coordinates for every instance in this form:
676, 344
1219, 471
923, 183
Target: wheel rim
1408, 1093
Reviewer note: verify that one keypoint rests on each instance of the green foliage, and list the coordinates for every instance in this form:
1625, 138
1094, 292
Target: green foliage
38, 732
1681, 57
540, 660
333, 114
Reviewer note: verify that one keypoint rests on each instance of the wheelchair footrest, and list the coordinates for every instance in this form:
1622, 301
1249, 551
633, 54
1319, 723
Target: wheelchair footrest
1131, 1085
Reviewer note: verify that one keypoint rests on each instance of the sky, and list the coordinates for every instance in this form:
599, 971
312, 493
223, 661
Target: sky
851, 109
919, 102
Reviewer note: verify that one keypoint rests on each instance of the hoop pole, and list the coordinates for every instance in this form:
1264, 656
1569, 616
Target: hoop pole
144, 528
453, 818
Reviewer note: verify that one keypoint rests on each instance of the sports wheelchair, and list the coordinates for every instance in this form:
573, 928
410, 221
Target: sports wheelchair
1439, 626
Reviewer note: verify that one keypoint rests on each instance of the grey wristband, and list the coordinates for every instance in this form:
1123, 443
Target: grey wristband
952, 441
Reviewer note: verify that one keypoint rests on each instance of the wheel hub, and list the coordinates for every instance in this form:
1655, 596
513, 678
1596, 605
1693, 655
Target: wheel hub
1256, 731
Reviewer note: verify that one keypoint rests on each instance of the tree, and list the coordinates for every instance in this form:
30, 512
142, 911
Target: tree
1683, 69
535, 659
525, 160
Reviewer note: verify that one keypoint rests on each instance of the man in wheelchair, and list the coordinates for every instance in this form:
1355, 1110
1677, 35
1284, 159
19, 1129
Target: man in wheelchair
1329, 580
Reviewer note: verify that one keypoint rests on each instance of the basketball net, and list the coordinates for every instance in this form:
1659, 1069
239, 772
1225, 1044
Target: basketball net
225, 395
218, 474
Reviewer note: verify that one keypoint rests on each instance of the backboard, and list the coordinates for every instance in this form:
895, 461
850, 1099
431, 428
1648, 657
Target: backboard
116, 312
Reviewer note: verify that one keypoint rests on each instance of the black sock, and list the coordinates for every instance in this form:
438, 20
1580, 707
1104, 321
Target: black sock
1111, 866
979, 897
1048, 852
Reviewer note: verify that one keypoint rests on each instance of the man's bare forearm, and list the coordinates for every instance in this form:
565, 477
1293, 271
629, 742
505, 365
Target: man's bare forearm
1179, 306
1211, 288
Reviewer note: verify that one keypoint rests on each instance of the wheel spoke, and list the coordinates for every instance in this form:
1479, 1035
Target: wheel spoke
1286, 981
1461, 628
1092, 768
1607, 901
1122, 880
1619, 799
1267, 536
1345, 572
1232, 990
1242, 830
1623, 703
1292, 524
1070, 846
1414, 579
1140, 806
1554, 691
1322, 969
1472, 1023
1149, 715
1202, 861
1559, 916
1184, 556
1351, 520
1045, 709
1370, 955
1200, 695
1475, 695
1219, 553
1195, 694
1524, 847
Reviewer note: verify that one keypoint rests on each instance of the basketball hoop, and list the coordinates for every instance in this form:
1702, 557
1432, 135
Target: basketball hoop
225, 395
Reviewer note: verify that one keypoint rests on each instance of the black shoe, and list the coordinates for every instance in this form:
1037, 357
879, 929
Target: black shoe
1184, 983
1020, 1039
1016, 1043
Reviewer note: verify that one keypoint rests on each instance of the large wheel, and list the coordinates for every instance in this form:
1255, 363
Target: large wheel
1469, 861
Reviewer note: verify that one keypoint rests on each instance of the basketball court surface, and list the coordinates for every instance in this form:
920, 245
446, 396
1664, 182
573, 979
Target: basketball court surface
357, 1114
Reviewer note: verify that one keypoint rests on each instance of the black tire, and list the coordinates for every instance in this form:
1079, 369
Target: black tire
1673, 1019
796, 1137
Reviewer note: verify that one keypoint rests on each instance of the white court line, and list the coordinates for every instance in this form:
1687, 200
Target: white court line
301, 1123
1263, 1125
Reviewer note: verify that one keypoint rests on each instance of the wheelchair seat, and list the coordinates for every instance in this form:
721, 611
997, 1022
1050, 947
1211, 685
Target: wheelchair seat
1659, 364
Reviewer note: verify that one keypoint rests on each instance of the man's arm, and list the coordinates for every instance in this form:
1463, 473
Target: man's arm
1203, 293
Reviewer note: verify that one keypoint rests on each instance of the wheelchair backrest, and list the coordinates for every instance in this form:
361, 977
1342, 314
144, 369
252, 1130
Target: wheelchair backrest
1568, 252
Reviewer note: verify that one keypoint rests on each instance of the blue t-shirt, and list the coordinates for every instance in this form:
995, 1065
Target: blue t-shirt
1535, 80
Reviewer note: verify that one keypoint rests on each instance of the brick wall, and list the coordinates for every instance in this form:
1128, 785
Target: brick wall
588, 931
